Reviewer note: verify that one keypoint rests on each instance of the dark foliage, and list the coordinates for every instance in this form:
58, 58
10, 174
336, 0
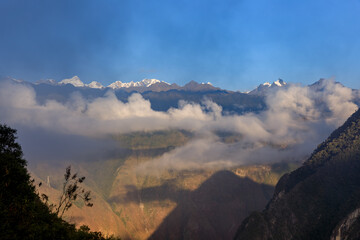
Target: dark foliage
71, 191
22, 214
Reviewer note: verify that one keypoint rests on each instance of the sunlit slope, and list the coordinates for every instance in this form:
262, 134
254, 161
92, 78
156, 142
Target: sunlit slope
133, 203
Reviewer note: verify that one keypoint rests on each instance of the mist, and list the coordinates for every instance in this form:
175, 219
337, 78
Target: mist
296, 120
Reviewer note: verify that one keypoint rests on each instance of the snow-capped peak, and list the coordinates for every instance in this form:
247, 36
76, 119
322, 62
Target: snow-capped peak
208, 83
262, 88
143, 83
95, 84
117, 84
47, 81
148, 82
279, 82
75, 81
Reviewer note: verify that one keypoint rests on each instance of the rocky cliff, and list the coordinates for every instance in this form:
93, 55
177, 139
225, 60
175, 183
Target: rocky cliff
318, 200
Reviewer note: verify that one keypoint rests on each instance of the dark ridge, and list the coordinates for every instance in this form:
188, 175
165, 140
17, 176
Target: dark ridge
313, 201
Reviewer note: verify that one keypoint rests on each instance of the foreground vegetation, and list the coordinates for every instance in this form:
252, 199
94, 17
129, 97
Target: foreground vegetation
22, 214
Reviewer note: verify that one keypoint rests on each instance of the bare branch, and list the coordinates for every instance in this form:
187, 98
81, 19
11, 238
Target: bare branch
71, 191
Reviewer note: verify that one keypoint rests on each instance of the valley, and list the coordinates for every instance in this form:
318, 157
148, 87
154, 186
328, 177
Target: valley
134, 204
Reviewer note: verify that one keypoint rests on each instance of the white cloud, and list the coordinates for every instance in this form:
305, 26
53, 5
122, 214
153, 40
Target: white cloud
297, 116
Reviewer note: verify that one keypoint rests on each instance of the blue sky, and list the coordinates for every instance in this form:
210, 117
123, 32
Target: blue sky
233, 44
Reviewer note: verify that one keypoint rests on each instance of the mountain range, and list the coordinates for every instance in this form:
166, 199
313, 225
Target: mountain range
161, 95
164, 96
141, 86
153, 85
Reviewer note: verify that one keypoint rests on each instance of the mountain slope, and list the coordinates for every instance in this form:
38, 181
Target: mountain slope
314, 201
134, 204
207, 212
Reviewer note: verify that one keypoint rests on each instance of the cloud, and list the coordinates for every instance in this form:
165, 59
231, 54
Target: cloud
297, 118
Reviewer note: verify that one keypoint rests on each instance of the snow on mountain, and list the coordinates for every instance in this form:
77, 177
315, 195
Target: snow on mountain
47, 81
148, 82
95, 84
208, 83
116, 85
143, 83
262, 88
75, 81
279, 83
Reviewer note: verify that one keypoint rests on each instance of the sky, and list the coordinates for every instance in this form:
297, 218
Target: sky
235, 45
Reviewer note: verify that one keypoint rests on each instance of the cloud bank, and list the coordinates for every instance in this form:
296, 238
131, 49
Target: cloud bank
297, 118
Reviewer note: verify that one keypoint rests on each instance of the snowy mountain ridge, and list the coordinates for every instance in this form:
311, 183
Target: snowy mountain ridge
279, 83
76, 82
143, 83
154, 84
262, 88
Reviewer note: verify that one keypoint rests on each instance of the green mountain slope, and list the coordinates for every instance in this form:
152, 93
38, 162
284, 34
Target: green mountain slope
319, 198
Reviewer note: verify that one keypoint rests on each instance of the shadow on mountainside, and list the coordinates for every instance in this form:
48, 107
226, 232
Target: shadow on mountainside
166, 191
213, 211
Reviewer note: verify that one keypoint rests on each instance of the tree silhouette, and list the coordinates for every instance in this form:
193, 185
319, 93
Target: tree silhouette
22, 213
71, 191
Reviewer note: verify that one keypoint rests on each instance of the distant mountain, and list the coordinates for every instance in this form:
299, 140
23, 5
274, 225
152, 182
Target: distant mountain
75, 81
162, 95
321, 199
263, 88
95, 84
320, 85
158, 87
143, 83
141, 86
231, 102
194, 86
